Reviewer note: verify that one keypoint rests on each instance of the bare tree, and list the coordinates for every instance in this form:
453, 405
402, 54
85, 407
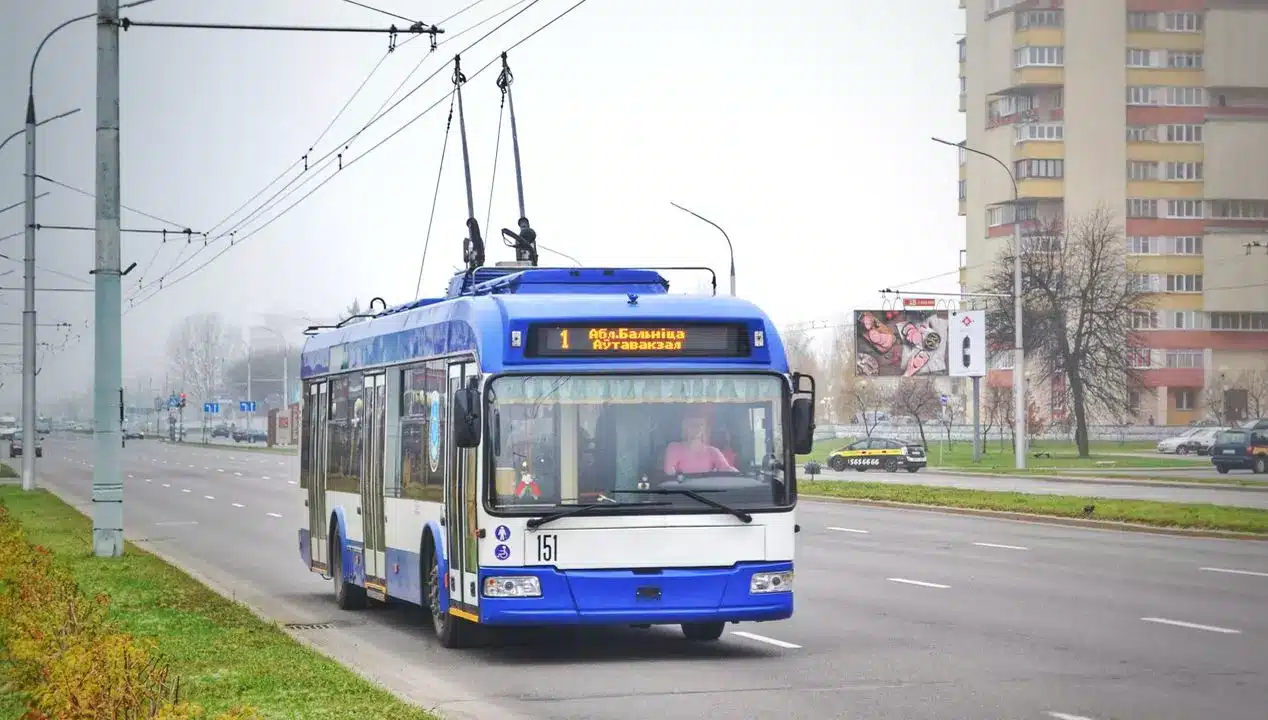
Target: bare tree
351, 312
199, 349
1000, 412
839, 373
799, 347
1255, 383
918, 398
870, 397
1213, 402
1079, 301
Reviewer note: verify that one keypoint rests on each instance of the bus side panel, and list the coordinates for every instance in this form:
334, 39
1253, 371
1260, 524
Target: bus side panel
406, 520
353, 550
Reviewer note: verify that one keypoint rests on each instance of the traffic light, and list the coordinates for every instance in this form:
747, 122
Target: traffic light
182, 405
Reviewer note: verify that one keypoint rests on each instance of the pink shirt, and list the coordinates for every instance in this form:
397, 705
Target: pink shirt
681, 458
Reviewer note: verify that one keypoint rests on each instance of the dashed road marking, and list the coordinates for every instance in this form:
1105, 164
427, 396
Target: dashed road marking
1236, 572
149, 479
238, 474
1195, 626
209, 497
130, 475
290, 482
264, 477
185, 490
167, 484
220, 469
238, 505
273, 515
1002, 547
1067, 716
767, 640
850, 530
921, 583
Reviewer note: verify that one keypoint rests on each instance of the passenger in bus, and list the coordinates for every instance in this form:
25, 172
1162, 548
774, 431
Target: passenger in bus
693, 454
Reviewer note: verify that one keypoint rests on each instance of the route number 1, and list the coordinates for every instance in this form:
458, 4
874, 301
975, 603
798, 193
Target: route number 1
563, 340
547, 547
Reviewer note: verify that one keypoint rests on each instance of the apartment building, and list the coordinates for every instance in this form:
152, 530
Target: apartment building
1157, 109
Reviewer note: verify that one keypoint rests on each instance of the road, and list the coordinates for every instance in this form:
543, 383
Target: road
900, 614
1240, 497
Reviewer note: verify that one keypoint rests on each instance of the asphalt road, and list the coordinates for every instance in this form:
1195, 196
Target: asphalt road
900, 614
1239, 497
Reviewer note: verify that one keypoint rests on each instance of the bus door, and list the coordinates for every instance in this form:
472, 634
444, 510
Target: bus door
315, 450
461, 481
372, 517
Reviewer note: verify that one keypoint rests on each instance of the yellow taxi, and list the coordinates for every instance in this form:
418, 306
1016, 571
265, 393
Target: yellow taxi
877, 453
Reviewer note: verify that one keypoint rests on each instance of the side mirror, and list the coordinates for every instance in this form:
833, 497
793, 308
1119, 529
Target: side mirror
803, 426
466, 417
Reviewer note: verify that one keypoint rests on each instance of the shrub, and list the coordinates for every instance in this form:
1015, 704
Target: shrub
62, 652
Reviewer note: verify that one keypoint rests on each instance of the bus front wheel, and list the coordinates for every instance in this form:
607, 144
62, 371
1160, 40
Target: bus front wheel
451, 630
703, 631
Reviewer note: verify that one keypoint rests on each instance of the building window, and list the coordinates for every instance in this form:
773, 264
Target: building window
1184, 399
1142, 133
1142, 170
1184, 59
1039, 55
1184, 209
1133, 401
1137, 58
1142, 208
1182, 245
1141, 245
1184, 320
964, 85
1139, 358
1039, 169
1142, 95
1048, 132
1183, 133
1239, 209
1144, 283
1239, 321
1142, 21
1184, 283
1039, 18
1182, 22
1144, 320
999, 215
1184, 171
1183, 359
1186, 97
1010, 105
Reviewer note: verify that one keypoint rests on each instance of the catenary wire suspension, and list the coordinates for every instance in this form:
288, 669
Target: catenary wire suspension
473, 247
525, 241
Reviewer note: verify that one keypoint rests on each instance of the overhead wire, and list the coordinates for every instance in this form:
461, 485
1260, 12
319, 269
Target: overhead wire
325, 161
381, 11
435, 196
530, 3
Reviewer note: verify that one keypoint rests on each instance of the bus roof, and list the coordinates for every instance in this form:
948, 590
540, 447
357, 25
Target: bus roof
480, 313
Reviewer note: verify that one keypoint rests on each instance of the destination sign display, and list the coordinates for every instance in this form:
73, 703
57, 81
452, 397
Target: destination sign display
681, 340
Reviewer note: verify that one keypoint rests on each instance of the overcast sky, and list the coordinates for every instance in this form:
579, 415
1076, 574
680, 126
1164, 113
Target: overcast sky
801, 127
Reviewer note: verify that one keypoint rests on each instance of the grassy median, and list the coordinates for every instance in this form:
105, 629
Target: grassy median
999, 459
1194, 516
224, 655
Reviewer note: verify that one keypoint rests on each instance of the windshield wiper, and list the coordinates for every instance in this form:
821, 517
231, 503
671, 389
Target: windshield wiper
694, 495
535, 523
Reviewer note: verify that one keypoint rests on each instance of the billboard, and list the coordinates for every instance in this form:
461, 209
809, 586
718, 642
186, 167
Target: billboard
967, 345
900, 343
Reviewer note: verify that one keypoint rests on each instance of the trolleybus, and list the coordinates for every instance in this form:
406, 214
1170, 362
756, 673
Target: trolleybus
555, 446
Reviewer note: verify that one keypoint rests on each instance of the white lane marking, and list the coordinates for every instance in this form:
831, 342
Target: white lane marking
1195, 626
206, 468
191, 467
921, 583
167, 484
768, 641
209, 497
238, 505
177, 522
238, 474
130, 475
220, 469
185, 490
149, 479
1236, 572
850, 530
290, 482
264, 477
1067, 716
1002, 547
273, 515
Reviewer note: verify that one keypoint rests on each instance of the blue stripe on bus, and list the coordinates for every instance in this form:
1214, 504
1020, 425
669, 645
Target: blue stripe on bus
581, 597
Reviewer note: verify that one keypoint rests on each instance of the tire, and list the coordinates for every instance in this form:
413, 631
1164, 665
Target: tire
1182, 450
703, 632
452, 631
891, 466
912, 468
1221, 469
1260, 465
837, 463
347, 595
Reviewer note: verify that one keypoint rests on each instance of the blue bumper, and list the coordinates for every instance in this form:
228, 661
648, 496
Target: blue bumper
670, 596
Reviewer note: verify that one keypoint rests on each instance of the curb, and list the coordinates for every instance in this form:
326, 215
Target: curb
1093, 480
1046, 519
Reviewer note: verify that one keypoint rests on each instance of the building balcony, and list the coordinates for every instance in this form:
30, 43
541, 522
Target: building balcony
1041, 188
1039, 36
1038, 77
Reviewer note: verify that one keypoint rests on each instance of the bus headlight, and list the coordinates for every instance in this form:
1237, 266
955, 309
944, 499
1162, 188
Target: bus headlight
512, 586
771, 582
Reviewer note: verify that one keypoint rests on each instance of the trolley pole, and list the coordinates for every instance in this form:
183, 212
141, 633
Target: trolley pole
107, 482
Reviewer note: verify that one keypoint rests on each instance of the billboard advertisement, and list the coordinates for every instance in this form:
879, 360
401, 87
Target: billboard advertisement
901, 343
967, 346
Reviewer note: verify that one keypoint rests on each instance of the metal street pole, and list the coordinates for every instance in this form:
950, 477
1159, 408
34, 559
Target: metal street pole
977, 419
107, 482
729, 246
1019, 355
28, 310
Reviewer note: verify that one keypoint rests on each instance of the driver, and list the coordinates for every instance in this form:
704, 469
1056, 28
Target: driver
693, 454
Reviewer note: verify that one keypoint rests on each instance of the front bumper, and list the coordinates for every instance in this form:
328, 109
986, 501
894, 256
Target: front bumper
669, 596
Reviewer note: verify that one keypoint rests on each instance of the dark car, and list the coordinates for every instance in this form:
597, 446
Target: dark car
1241, 449
251, 436
223, 431
1200, 442
15, 446
881, 453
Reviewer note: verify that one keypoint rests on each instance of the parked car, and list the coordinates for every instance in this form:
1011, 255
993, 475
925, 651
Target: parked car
881, 453
221, 430
1241, 449
1200, 442
15, 445
1180, 443
133, 434
251, 436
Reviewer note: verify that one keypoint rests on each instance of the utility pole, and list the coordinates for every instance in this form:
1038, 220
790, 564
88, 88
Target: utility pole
107, 482
28, 309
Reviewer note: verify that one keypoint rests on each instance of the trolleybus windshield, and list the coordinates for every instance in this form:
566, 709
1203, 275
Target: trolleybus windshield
564, 440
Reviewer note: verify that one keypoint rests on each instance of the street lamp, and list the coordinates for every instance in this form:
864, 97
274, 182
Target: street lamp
42, 122
286, 361
728, 240
1019, 355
